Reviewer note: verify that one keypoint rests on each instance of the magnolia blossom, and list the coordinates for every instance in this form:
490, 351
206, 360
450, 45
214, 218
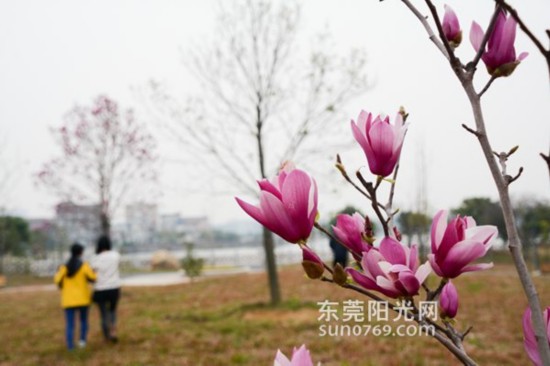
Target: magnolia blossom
288, 204
391, 269
350, 230
448, 301
500, 56
457, 244
451, 27
380, 140
529, 339
300, 357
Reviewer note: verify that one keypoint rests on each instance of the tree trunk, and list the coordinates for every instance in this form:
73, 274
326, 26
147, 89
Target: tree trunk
105, 224
271, 264
269, 247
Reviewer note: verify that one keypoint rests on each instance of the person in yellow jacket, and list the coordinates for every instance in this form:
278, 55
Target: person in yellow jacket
72, 278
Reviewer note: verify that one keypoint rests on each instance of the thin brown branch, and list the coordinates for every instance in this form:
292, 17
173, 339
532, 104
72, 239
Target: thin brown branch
493, 78
470, 130
427, 27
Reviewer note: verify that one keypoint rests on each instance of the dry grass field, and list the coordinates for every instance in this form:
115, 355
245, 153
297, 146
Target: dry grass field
225, 321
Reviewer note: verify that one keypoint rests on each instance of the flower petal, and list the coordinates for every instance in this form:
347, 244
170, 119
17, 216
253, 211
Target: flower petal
476, 35
439, 224
529, 340
393, 251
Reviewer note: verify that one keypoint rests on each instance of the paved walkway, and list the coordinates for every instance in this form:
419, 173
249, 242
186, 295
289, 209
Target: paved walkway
145, 279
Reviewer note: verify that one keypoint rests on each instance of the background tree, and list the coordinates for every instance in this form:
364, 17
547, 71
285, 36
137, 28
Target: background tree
262, 100
14, 237
533, 218
412, 224
105, 155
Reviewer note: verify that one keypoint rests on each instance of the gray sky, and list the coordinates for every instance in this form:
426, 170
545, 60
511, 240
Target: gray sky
57, 53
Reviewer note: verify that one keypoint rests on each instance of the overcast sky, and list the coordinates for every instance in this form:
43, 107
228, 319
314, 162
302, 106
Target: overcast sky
55, 54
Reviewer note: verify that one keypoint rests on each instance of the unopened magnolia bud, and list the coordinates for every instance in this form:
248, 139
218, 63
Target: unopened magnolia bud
339, 276
312, 264
313, 270
397, 233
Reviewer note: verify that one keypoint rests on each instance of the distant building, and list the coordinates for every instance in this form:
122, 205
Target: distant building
80, 223
175, 229
141, 224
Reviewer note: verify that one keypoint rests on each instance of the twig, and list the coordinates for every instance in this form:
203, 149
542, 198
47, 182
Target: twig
374, 201
389, 205
493, 78
432, 295
510, 179
474, 132
429, 30
463, 335
340, 166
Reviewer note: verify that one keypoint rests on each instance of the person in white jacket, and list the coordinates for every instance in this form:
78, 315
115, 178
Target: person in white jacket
107, 286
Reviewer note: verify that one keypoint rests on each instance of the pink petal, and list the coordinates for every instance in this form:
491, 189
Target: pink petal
476, 35
252, 211
296, 201
439, 224
371, 265
483, 234
529, 340
266, 185
393, 251
409, 282
277, 219
311, 256
423, 272
387, 287
281, 359
301, 357
434, 265
360, 137
381, 137
362, 280
522, 56
477, 267
460, 256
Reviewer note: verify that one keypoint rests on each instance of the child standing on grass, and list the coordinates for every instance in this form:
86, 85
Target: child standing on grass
107, 287
72, 278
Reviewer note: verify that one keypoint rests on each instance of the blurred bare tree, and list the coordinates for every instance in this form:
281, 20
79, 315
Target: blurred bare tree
265, 96
105, 155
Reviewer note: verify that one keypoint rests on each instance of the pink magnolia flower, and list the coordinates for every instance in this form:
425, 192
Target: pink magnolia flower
458, 243
381, 141
451, 27
350, 230
448, 301
391, 269
300, 357
500, 56
288, 204
529, 340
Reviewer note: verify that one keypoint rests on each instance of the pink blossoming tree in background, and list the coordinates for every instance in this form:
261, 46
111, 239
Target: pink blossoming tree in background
386, 265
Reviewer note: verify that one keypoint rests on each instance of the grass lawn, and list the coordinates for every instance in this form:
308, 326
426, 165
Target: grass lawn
225, 321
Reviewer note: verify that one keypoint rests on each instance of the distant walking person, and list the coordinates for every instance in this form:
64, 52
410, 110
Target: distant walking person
107, 287
72, 278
